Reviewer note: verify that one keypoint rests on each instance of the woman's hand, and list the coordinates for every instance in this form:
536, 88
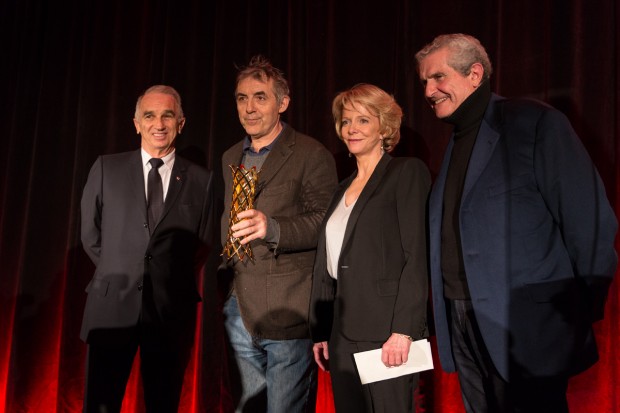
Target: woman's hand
321, 354
395, 350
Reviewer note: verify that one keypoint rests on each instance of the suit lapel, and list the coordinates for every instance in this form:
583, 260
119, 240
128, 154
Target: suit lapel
136, 181
321, 257
235, 155
340, 190
280, 152
177, 178
483, 148
436, 198
369, 189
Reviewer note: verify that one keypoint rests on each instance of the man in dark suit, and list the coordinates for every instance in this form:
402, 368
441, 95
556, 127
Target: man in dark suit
266, 312
145, 224
521, 239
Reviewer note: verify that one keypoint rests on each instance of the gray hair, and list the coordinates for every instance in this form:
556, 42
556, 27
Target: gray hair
166, 90
465, 51
260, 68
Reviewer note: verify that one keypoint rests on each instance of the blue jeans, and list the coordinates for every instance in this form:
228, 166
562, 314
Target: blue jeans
274, 376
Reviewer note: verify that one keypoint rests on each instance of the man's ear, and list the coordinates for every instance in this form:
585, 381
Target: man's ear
476, 74
284, 104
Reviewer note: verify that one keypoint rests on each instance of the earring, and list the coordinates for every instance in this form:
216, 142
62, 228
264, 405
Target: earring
350, 155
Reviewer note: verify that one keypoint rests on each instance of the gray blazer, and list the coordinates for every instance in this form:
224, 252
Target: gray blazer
130, 264
295, 185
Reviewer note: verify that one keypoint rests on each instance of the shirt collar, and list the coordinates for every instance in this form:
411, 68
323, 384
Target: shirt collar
247, 145
168, 159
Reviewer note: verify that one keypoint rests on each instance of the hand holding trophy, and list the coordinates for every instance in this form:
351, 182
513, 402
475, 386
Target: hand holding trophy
243, 194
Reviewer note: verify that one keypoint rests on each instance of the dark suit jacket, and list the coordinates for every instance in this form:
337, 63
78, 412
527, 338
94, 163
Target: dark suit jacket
537, 235
130, 263
294, 187
382, 285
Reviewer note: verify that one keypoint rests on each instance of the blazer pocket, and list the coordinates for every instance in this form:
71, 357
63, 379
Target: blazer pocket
277, 189
561, 290
512, 185
560, 302
386, 288
98, 287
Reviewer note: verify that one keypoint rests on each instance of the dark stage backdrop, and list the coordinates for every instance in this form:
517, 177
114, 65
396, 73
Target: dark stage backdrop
71, 72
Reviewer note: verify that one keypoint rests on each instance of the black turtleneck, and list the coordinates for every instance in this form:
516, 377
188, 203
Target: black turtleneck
466, 120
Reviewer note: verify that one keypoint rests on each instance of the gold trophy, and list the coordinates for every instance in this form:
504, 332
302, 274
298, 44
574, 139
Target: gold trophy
244, 191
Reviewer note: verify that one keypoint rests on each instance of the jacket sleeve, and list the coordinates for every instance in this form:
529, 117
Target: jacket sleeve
576, 198
206, 233
207, 221
91, 210
411, 200
322, 298
318, 182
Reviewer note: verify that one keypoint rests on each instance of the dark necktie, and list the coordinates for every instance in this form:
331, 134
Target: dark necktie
155, 193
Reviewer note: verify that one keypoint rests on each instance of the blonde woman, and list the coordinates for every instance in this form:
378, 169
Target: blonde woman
370, 280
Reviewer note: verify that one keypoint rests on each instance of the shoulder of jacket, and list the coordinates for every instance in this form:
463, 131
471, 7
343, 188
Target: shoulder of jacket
523, 107
191, 166
307, 144
234, 150
120, 155
116, 160
406, 161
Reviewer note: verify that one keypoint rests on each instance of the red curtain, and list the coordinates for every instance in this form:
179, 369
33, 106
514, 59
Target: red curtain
69, 79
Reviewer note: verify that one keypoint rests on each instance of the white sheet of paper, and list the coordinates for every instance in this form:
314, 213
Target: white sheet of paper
371, 368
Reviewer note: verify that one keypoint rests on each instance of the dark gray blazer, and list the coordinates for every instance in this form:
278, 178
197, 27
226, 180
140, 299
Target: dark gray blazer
295, 184
537, 235
131, 264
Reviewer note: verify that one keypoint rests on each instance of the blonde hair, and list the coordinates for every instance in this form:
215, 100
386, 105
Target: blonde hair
376, 101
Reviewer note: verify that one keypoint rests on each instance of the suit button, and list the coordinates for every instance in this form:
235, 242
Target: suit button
139, 286
146, 225
148, 257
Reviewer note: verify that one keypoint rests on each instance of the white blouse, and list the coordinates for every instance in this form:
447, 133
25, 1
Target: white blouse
334, 235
